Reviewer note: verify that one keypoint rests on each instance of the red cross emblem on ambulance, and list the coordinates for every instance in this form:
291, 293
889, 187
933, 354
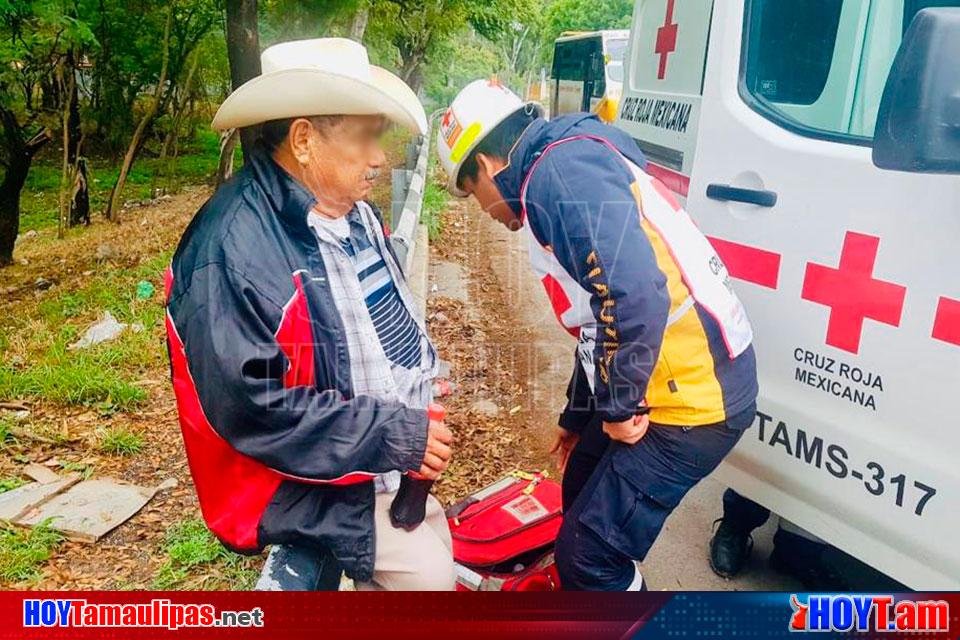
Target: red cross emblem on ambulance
666, 40
852, 293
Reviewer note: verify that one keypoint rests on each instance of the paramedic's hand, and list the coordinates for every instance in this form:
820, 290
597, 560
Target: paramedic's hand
563, 444
437, 456
630, 431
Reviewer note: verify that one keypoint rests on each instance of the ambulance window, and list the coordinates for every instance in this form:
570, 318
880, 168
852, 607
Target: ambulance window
791, 48
819, 67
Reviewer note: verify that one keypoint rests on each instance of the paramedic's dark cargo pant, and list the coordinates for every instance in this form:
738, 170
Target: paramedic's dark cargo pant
616, 497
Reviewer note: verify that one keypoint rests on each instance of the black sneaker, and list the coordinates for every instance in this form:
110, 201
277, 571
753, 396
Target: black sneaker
729, 550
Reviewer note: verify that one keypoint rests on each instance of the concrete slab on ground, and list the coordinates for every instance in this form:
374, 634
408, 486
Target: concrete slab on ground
448, 280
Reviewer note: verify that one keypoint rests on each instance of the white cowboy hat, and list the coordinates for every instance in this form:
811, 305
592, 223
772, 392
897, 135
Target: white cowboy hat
324, 76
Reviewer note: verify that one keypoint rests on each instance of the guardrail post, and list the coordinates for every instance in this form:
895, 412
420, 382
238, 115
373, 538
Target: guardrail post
399, 182
406, 216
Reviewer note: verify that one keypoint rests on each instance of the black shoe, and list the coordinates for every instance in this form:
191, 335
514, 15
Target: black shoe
729, 550
813, 571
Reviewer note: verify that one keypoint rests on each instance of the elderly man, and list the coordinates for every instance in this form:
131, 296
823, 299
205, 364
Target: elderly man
301, 371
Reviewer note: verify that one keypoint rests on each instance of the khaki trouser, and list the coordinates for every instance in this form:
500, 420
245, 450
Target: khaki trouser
418, 560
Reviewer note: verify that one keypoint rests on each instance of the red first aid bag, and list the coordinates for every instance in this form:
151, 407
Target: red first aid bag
503, 535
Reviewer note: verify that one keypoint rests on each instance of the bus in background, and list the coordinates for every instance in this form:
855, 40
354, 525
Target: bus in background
588, 72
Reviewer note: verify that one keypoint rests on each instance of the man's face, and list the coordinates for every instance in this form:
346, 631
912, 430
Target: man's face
343, 159
488, 195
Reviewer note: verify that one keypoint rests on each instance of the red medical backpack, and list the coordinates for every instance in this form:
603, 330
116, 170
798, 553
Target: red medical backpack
503, 535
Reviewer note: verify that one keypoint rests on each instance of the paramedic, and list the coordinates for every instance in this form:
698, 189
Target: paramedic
664, 381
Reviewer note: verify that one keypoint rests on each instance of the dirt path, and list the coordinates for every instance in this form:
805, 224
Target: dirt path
481, 324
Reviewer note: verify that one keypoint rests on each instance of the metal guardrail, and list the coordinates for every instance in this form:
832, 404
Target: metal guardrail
408, 186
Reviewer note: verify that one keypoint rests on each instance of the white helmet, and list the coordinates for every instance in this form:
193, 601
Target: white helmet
477, 109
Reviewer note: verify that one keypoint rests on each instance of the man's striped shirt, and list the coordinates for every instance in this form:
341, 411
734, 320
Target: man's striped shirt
398, 333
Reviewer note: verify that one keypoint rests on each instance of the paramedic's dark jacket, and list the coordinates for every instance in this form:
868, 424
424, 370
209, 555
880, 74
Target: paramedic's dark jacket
280, 449
582, 207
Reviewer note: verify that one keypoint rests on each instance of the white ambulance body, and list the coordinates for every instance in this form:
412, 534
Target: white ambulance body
761, 114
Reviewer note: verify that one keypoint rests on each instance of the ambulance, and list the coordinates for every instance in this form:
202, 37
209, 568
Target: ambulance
817, 144
587, 73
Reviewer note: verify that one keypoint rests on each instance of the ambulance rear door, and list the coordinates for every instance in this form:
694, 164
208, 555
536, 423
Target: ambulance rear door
661, 101
849, 276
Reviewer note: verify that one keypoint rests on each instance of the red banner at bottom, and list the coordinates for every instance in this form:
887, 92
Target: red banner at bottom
425, 616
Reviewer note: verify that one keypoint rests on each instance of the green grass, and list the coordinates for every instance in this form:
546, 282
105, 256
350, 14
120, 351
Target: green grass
434, 202
9, 484
190, 547
22, 551
435, 195
101, 375
74, 380
85, 470
120, 441
6, 430
196, 164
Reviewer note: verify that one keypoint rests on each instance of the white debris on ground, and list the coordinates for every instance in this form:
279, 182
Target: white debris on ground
105, 329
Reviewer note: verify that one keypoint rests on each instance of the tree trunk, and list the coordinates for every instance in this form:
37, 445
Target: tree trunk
359, 25
66, 177
19, 154
80, 202
412, 70
74, 195
243, 51
179, 108
113, 206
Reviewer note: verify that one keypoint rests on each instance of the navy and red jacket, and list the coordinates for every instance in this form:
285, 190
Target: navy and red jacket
631, 276
280, 449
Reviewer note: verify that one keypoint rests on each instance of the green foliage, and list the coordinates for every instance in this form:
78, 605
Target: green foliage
85, 470
127, 60
434, 202
455, 64
8, 484
190, 546
283, 20
196, 164
82, 382
22, 551
422, 31
120, 441
6, 430
578, 15
35, 36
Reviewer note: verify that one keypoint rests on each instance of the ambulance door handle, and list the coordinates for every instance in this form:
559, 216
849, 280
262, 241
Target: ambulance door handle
725, 192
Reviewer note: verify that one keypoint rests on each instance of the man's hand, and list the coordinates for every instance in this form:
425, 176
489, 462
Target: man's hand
630, 431
563, 444
437, 456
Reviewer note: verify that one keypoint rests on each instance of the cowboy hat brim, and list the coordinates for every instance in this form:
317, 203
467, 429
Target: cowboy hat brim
293, 93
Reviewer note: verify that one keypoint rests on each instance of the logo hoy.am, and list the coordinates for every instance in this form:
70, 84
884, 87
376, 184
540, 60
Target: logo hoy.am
868, 613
